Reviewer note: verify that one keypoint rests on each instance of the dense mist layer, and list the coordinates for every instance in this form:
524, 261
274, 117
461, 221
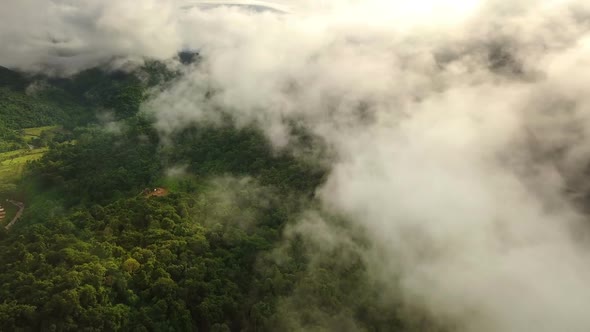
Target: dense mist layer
457, 128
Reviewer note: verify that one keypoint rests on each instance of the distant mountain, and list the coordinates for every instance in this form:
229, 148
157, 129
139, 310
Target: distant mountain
38, 100
12, 79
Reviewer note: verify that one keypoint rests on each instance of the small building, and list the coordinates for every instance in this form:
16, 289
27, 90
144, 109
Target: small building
155, 192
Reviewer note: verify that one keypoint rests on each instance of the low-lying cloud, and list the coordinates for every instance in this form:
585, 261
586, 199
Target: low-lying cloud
459, 130
456, 137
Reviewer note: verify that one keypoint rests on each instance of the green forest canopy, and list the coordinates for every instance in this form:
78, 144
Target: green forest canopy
94, 253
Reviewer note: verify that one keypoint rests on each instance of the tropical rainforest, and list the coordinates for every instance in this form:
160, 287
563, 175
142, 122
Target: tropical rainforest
97, 250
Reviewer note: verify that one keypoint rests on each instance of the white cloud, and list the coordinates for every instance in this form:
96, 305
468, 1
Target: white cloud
432, 118
63, 36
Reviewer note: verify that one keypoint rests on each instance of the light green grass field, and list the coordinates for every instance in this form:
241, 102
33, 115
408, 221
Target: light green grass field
11, 169
11, 154
12, 163
21, 156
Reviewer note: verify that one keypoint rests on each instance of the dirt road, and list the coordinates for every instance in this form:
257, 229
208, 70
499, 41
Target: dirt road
21, 209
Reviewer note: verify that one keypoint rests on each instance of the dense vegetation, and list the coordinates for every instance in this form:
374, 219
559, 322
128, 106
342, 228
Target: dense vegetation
34, 101
95, 252
9, 139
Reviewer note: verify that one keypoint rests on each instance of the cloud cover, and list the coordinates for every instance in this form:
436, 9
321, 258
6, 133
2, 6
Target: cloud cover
456, 132
457, 128
66, 36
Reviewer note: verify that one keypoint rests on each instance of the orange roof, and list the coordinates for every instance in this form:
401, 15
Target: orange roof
158, 192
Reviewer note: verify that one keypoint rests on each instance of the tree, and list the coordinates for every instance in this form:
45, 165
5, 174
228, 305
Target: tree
131, 265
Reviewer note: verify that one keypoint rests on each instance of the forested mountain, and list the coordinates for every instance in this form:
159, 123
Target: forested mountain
96, 251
